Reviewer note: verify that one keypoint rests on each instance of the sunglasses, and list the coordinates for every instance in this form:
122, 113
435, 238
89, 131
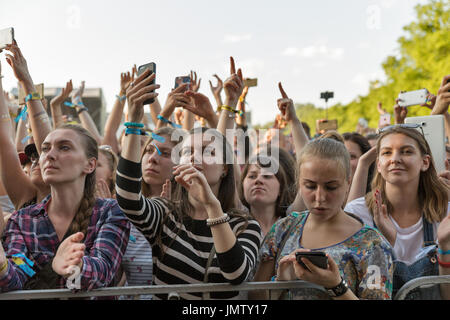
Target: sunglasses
402, 125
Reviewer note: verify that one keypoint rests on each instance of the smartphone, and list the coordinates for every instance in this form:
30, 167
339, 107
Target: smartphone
434, 130
182, 79
141, 69
6, 37
39, 88
326, 125
318, 258
249, 82
412, 98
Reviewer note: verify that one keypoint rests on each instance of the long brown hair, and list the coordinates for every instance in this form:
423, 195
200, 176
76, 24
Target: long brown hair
432, 192
83, 216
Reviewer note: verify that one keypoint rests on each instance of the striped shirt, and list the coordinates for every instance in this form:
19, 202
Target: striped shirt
186, 244
30, 232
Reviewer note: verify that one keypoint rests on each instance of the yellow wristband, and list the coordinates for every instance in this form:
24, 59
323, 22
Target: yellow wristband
231, 109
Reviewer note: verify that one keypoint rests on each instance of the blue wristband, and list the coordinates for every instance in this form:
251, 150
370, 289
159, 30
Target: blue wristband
121, 98
440, 251
175, 125
133, 124
134, 131
22, 114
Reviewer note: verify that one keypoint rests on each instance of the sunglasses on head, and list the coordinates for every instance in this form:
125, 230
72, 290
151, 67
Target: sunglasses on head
402, 125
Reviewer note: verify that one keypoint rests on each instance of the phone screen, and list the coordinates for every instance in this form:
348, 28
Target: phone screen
6, 37
181, 80
141, 69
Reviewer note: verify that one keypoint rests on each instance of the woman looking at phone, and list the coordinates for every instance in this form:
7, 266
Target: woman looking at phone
352, 248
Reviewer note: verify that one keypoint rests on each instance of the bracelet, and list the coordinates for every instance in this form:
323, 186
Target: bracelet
175, 125
4, 266
33, 96
121, 98
133, 125
224, 107
73, 105
443, 264
442, 252
216, 221
23, 114
139, 132
82, 109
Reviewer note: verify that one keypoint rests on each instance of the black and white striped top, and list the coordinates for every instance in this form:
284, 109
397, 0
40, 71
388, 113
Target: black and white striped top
186, 244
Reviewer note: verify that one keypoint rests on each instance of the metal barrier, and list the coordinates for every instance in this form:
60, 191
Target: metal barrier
420, 282
172, 290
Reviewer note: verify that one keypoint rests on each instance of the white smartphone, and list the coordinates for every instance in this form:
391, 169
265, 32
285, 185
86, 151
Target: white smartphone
434, 130
6, 37
412, 98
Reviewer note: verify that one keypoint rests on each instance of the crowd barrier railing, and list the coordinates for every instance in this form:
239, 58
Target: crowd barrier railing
420, 282
172, 290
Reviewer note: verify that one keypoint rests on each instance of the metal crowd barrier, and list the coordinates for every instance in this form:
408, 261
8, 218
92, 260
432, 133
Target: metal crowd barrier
171, 290
420, 282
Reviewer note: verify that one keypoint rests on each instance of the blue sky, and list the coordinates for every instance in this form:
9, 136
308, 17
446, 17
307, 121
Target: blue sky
310, 46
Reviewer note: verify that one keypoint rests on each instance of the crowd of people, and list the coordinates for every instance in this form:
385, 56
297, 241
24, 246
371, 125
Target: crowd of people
197, 196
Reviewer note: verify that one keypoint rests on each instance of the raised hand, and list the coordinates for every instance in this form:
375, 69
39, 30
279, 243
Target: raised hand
138, 92
18, 63
400, 113
195, 86
443, 97
200, 105
380, 109
78, 93
217, 89
63, 95
286, 105
233, 86
176, 98
382, 220
69, 254
125, 80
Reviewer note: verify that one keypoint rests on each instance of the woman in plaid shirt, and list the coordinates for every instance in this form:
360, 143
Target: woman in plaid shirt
70, 232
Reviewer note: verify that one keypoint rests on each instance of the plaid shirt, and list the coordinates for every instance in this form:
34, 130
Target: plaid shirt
30, 232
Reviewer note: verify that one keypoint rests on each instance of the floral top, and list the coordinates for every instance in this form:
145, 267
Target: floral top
364, 259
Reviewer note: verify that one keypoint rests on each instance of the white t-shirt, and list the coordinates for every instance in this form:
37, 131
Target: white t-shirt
408, 246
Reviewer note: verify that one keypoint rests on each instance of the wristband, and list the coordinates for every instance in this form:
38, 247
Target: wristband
216, 221
22, 115
121, 98
175, 125
224, 107
82, 109
33, 96
133, 125
443, 264
139, 132
442, 252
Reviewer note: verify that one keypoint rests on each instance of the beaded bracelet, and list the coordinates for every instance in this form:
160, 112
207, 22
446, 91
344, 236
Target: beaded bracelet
216, 221
175, 125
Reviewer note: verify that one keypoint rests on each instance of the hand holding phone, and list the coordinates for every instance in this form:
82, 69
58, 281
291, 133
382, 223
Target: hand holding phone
413, 98
152, 67
318, 258
6, 37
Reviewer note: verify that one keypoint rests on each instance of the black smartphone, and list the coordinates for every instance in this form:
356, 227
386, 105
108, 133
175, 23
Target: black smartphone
141, 69
318, 258
181, 80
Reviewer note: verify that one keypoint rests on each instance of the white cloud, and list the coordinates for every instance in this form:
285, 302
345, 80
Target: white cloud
234, 38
